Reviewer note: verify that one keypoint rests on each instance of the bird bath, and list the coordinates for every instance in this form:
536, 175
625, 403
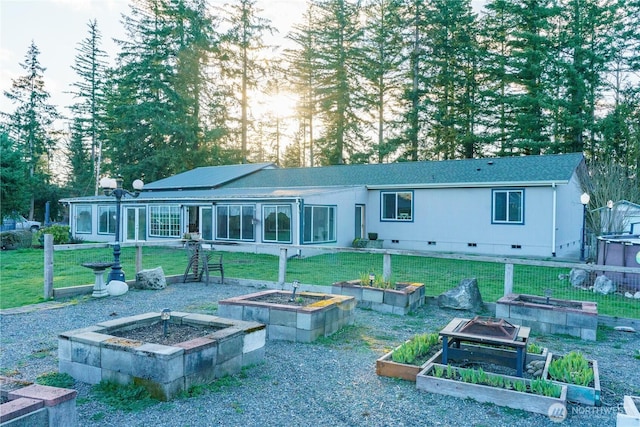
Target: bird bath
99, 288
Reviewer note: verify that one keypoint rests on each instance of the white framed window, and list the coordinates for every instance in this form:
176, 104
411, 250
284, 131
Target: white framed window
276, 223
106, 220
164, 221
235, 222
83, 219
507, 206
319, 224
396, 206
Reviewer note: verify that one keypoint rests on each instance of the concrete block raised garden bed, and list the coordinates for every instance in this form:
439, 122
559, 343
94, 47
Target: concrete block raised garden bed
513, 392
400, 299
206, 347
311, 315
550, 315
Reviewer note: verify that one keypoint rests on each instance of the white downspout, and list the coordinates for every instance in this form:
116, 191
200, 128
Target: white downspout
554, 219
299, 232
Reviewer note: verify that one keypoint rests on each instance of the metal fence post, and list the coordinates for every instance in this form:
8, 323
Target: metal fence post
48, 266
508, 279
282, 267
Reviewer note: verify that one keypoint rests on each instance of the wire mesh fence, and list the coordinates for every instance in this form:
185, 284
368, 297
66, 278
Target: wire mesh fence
324, 266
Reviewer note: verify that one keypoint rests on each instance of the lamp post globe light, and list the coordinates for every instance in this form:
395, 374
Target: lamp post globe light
113, 187
584, 199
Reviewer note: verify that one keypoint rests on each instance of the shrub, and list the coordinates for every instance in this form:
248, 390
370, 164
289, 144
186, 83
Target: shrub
60, 234
16, 239
359, 243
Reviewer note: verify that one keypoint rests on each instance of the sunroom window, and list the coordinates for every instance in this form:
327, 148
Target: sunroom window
319, 224
277, 223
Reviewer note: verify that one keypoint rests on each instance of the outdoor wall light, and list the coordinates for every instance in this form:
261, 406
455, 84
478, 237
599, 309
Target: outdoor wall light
165, 315
372, 278
295, 285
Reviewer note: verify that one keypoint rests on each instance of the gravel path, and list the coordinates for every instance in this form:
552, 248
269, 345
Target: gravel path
328, 383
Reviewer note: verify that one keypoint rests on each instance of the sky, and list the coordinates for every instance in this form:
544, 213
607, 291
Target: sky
58, 26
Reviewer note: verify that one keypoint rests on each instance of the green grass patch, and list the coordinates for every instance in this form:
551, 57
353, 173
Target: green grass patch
56, 379
21, 273
127, 398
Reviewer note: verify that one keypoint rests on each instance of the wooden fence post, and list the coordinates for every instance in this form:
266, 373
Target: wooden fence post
138, 257
282, 267
508, 279
386, 267
48, 266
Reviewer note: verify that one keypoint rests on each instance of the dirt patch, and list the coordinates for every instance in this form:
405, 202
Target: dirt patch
154, 333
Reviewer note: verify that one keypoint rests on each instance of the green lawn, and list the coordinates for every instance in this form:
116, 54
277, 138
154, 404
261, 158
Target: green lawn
21, 273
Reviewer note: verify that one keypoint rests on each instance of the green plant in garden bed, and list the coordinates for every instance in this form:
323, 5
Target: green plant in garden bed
479, 376
415, 351
534, 348
378, 281
572, 368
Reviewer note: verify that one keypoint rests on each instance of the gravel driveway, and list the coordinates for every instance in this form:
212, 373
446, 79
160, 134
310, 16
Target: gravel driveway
328, 383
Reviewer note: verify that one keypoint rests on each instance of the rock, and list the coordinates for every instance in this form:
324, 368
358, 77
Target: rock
624, 328
466, 296
152, 278
117, 287
538, 373
637, 295
603, 285
579, 278
628, 295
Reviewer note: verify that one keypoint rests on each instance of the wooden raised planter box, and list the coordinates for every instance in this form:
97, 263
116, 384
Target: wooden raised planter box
406, 297
631, 416
483, 393
578, 393
386, 367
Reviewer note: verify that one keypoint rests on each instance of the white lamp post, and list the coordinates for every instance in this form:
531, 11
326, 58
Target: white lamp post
584, 199
113, 187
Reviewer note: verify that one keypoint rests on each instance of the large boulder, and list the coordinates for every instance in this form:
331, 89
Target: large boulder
152, 278
603, 285
579, 278
465, 296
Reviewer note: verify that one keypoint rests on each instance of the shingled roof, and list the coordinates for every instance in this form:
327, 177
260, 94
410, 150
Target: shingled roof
490, 171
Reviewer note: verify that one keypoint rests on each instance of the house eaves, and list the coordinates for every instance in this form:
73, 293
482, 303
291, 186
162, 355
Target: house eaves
469, 185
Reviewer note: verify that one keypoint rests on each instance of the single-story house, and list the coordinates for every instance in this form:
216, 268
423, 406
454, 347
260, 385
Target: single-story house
621, 217
507, 206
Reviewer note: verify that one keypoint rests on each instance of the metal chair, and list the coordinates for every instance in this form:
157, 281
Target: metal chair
194, 250
212, 262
